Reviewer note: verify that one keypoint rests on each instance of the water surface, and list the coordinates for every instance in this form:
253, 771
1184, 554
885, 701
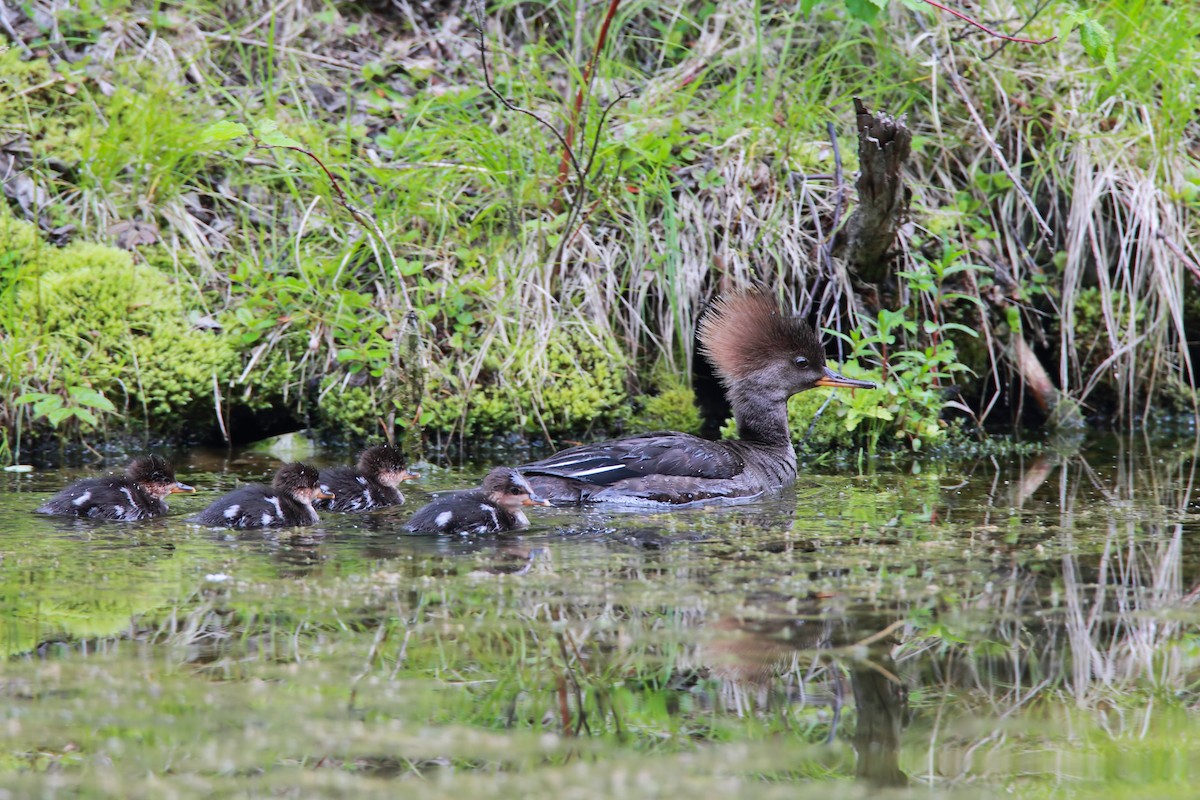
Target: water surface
989, 627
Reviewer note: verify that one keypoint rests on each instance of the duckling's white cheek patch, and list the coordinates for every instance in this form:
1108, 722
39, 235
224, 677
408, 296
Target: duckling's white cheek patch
266, 518
443, 519
232, 511
83, 498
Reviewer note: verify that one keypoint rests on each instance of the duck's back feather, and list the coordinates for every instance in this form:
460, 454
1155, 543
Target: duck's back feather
664, 467
464, 513
104, 498
660, 453
255, 506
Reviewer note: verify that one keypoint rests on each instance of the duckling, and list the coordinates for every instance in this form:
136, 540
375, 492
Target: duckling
371, 484
137, 495
762, 357
494, 508
287, 502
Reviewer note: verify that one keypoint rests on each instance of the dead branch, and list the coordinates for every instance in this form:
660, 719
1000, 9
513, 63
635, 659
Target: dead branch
884, 145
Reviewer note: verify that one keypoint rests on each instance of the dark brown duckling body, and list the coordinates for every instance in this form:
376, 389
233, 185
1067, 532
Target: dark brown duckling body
137, 495
373, 483
287, 502
762, 358
494, 508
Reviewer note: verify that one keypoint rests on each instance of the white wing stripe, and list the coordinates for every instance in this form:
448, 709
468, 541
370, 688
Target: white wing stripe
567, 462
608, 468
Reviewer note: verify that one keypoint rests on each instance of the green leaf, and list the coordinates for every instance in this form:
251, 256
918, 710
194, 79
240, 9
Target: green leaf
47, 405
1013, 315
1097, 43
954, 326
86, 416
223, 131
89, 397
267, 132
807, 6
864, 10
32, 397
59, 414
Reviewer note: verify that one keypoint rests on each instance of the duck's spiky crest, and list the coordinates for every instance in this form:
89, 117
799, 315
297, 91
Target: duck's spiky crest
746, 332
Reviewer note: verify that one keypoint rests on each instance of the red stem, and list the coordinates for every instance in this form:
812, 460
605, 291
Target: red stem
985, 28
587, 81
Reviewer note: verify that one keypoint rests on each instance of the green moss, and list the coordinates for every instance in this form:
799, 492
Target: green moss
86, 315
567, 384
350, 410
673, 409
584, 383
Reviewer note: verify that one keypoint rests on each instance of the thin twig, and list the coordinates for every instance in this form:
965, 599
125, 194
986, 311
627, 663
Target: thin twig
997, 153
985, 28
512, 107
1036, 13
367, 222
585, 85
839, 198
1187, 260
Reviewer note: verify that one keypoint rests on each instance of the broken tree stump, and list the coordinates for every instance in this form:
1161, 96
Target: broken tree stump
884, 145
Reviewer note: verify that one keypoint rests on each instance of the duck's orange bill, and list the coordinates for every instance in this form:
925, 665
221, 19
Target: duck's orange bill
833, 380
181, 488
534, 500
323, 493
405, 475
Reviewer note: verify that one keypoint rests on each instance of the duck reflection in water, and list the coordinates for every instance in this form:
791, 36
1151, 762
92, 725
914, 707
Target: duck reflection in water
804, 656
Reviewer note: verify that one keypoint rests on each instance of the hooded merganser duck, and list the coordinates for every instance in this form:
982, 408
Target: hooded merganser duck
493, 508
762, 357
287, 502
371, 484
137, 495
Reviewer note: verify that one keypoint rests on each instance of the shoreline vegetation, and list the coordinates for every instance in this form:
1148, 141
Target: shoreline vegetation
227, 221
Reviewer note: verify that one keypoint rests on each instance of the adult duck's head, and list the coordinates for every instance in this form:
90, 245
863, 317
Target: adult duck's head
756, 349
155, 477
508, 489
301, 482
385, 464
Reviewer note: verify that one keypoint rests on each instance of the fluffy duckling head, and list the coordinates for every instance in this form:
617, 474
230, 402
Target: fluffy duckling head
301, 482
155, 476
385, 464
508, 489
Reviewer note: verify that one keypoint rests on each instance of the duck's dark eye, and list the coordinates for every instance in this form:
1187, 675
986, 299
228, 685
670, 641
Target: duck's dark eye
800, 361
515, 490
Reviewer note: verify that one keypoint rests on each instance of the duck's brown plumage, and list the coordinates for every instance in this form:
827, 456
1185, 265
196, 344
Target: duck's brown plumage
762, 358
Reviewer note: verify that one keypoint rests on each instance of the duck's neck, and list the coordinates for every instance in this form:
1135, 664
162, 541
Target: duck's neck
760, 414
